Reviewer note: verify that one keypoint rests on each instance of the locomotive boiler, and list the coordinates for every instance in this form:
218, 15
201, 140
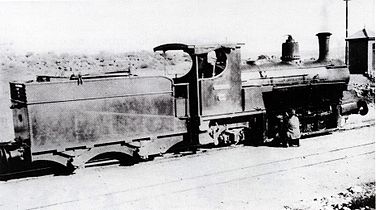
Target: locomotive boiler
218, 101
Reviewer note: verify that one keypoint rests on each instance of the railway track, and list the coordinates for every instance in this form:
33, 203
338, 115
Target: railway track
204, 184
184, 181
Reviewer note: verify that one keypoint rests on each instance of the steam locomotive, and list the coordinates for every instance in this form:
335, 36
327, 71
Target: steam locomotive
218, 101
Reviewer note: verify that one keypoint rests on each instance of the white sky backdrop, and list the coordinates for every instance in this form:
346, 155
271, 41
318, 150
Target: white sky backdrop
129, 25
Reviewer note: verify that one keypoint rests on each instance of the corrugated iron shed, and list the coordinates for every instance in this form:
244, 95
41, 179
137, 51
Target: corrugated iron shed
362, 34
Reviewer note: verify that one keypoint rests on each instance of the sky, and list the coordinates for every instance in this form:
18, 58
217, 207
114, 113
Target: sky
132, 25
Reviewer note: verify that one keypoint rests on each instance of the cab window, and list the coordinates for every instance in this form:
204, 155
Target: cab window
212, 64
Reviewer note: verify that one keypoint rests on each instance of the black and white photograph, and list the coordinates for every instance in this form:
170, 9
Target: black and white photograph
187, 104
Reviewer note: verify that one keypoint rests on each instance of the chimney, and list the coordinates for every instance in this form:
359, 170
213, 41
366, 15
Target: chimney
323, 45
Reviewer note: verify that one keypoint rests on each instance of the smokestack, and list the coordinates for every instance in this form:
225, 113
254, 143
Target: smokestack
323, 45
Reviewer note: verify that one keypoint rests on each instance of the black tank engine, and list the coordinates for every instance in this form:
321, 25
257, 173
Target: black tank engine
218, 101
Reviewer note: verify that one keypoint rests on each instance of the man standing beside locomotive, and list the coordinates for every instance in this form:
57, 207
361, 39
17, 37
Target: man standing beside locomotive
292, 129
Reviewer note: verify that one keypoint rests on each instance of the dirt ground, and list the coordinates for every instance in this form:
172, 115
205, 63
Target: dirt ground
318, 174
361, 196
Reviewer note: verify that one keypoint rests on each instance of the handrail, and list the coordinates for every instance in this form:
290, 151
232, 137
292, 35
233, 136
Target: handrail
278, 77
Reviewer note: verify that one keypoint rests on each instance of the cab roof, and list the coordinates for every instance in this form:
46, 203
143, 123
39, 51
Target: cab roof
196, 49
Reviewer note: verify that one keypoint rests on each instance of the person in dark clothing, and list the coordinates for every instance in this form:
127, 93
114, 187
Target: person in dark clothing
283, 130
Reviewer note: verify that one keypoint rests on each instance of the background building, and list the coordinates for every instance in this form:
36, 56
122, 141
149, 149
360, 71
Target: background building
362, 53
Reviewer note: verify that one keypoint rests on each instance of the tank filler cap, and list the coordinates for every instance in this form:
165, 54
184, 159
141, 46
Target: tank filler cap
290, 49
289, 38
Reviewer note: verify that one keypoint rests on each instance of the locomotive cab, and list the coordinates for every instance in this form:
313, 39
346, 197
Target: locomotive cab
217, 101
214, 79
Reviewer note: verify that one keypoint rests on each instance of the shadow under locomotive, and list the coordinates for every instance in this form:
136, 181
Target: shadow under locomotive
71, 121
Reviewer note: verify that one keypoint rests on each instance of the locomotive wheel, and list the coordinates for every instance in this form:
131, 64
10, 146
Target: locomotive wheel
216, 134
223, 136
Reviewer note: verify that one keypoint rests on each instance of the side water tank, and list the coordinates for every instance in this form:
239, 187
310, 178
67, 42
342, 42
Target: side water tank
290, 50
